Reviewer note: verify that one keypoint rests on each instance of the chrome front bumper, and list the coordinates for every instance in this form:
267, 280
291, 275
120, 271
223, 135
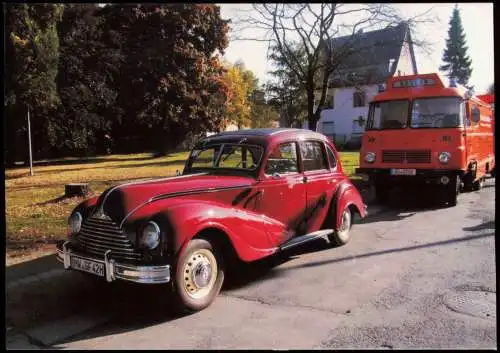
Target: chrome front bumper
114, 270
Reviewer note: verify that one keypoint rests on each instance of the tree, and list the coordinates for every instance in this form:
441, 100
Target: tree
287, 94
32, 57
81, 125
456, 61
170, 71
241, 84
314, 26
263, 114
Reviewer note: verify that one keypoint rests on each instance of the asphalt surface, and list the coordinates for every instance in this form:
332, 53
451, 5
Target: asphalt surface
417, 275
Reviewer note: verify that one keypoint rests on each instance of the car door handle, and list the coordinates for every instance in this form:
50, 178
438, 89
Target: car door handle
304, 179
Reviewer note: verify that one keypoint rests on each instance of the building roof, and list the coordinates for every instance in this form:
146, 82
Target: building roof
369, 55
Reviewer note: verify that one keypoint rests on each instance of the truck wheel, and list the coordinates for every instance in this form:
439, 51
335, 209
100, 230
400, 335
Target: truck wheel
478, 184
452, 191
342, 235
381, 194
199, 276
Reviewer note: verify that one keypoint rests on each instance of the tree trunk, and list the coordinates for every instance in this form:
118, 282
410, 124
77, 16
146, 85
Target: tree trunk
76, 189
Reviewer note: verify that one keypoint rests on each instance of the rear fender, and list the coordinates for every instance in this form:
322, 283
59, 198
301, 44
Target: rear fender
347, 195
249, 233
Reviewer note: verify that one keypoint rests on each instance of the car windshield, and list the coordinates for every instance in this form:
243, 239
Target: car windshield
388, 115
436, 113
225, 156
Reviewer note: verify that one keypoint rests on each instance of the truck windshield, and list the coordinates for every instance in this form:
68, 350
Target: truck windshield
388, 115
225, 156
436, 112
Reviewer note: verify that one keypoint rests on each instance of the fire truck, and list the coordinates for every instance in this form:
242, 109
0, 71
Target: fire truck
423, 132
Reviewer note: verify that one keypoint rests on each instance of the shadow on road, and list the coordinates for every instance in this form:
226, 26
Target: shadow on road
131, 307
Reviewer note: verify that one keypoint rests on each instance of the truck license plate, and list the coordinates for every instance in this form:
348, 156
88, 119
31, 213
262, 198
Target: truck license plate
93, 267
403, 171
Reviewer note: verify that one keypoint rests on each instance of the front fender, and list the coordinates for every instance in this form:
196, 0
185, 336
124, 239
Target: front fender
250, 233
346, 195
86, 206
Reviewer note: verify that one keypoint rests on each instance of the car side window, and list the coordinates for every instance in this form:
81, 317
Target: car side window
282, 159
331, 157
313, 156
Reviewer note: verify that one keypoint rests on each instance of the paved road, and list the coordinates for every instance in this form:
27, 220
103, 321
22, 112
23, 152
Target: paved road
414, 276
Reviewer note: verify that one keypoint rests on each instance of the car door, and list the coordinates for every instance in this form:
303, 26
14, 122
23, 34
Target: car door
320, 181
282, 190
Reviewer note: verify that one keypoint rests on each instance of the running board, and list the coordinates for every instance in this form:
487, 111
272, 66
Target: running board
305, 238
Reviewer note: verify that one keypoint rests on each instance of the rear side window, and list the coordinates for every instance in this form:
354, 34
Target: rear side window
331, 157
313, 156
282, 159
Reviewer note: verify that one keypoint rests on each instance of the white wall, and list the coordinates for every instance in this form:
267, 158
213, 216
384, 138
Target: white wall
343, 114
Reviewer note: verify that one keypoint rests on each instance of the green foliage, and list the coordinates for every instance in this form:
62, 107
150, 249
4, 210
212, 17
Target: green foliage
456, 61
241, 83
288, 93
263, 114
128, 77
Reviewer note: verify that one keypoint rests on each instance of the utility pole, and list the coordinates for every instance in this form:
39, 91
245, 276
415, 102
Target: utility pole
29, 142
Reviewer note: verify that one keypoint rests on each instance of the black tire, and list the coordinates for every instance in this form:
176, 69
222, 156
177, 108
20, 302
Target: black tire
452, 192
342, 235
381, 194
477, 184
189, 295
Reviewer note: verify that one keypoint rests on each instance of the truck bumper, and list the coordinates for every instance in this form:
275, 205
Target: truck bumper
422, 176
110, 269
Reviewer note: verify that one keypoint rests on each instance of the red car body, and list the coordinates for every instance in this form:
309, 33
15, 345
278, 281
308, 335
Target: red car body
254, 212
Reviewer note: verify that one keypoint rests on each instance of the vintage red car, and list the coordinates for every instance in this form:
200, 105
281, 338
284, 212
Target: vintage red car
248, 193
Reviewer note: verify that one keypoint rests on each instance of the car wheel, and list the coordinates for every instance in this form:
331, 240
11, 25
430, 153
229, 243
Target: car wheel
199, 276
342, 235
477, 184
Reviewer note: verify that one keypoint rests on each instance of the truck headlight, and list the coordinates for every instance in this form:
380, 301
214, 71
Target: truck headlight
150, 237
370, 157
444, 157
75, 223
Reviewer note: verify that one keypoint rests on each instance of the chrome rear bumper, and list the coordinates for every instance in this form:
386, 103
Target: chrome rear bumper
114, 270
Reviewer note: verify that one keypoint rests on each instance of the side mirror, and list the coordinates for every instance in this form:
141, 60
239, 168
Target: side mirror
276, 175
178, 172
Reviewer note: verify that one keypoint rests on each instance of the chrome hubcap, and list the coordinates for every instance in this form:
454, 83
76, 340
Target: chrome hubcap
346, 221
198, 273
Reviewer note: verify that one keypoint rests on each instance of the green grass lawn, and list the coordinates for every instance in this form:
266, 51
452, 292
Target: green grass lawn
35, 215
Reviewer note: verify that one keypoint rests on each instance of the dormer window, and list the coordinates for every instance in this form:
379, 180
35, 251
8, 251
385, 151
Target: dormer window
359, 98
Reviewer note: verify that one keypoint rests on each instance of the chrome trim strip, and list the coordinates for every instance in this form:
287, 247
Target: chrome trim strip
115, 270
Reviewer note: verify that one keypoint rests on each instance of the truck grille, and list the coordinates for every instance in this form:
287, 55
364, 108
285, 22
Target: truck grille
410, 156
97, 236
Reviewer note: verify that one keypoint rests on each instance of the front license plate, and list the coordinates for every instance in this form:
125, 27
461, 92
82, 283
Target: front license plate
93, 267
403, 171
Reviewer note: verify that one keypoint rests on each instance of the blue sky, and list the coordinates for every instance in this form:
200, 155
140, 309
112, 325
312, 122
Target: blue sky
477, 20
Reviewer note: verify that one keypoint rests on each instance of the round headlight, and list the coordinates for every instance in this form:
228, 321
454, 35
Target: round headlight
75, 222
150, 236
370, 157
444, 157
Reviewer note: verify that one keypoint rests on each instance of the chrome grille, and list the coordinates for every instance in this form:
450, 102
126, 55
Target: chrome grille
99, 235
410, 156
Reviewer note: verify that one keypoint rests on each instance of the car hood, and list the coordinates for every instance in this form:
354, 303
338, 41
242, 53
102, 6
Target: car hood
119, 201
